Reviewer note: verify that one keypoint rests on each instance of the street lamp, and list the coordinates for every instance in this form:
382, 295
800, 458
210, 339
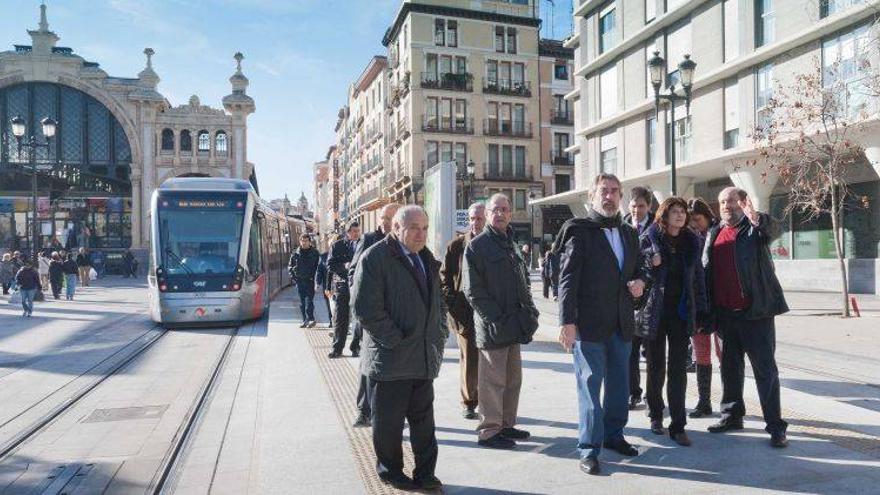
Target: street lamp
467, 181
656, 66
19, 129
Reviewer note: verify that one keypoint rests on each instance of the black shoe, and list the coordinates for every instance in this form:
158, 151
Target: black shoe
469, 413
778, 440
590, 465
429, 483
622, 447
400, 481
304, 324
362, 421
311, 324
657, 427
515, 434
499, 441
727, 423
634, 402
334, 354
356, 353
701, 410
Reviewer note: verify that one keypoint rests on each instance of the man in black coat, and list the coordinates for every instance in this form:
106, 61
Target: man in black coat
745, 297
302, 267
602, 272
341, 254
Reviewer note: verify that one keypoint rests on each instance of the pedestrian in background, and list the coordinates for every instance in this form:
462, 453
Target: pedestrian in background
56, 274
70, 269
43, 268
495, 280
396, 297
460, 313
674, 306
639, 217
84, 265
341, 254
702, 219
386, 219
28, 281
322, 277
602, 274
7, 272
303, 265
17, 262
129, 264
746, 297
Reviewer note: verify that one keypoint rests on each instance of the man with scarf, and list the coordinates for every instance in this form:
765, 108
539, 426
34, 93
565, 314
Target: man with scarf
602, 274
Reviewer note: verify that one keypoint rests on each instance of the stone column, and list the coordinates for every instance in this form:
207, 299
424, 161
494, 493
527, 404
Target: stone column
239, 144
137, 211
149, 169
757, 182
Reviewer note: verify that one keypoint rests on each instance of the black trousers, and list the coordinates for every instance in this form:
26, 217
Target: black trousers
341, 320
673, 331
56, 287
391, 402
635, 376
363, 397
757, 338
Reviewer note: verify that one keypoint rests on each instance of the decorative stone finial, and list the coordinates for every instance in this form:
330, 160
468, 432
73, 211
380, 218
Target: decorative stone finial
194, 101
44, 24
148, 76
238, 58
149, 53
42, 40
238, 100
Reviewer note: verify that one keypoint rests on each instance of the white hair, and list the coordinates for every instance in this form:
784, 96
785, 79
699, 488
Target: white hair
474, 207
405, 213
388, 207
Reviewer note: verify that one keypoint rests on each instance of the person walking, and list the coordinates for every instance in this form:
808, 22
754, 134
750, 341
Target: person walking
602, 273
386, 218
56, 274
18, 261
28, 281
129, 264
303, 265
639, 217
702, 219
674, 306
396, 297
341, 254
70, 269
495, 281
7, 272
460, 313
746, 297
84, 265
43, 268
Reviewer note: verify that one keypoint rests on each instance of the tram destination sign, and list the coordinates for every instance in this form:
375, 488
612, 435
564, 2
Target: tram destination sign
202, 204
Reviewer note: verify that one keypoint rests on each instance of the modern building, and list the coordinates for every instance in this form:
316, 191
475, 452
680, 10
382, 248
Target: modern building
117, 139
744, 50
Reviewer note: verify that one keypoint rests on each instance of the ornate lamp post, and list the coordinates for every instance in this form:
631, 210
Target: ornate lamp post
19, 129
466, 177
656, 66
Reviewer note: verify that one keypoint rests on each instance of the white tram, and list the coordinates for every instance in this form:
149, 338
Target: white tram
219, 253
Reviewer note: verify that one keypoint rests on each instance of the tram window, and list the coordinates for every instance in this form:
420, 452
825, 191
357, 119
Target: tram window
255, 253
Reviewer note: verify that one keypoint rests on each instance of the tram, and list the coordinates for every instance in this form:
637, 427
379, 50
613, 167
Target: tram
218, 253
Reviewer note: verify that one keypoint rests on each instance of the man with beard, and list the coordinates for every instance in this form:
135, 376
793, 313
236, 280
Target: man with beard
602, 272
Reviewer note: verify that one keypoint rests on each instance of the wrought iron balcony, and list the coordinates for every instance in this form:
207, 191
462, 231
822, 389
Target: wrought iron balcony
562, 117
507, 87
463, 81
558, 157
507, 128
451, 126
502, 176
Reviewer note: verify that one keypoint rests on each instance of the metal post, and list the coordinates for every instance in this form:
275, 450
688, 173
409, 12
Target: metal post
672, 182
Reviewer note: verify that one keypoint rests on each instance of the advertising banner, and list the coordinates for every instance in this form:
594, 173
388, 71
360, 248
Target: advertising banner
440, 205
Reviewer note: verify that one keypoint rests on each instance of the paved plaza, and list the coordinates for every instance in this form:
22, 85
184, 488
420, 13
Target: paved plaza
277, 417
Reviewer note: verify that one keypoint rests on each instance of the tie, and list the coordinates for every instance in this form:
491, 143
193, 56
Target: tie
420, 273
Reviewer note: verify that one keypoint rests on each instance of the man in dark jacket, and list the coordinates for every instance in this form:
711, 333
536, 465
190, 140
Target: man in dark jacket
639, 217
302, 267
341, 254
745, 297
461, 315
602, 272
396, 297
495, 280
321, 279
386, 217
28, 281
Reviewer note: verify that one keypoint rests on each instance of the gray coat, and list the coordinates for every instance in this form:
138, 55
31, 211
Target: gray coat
495, 283
404, 328
7, 272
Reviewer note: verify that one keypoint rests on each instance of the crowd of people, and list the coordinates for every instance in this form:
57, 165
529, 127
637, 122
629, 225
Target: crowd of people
659, 284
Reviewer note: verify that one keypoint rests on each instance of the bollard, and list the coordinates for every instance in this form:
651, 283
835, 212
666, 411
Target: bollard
855, 306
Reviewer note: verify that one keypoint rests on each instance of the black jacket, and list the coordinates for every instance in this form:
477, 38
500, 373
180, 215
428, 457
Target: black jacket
496, 284
593, 292
754, 265
365, 243
303, 264
70, 267
82, 259
56, 271
404, 327
628, 220
693, 281
27, 278
321, 273
341, 254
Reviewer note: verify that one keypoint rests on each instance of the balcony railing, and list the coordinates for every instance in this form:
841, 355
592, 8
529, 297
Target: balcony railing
496, 173
507, 87
451, 126
561, 117
463, 81
507, 128
561, 158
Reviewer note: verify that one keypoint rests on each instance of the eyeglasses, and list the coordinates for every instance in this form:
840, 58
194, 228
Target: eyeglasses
500, 209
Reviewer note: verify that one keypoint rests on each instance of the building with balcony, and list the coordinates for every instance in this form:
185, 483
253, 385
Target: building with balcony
744, 50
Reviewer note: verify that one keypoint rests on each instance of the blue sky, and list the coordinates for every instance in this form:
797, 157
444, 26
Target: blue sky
300, 56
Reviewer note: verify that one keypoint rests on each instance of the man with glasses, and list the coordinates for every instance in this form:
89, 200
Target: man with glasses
495, 281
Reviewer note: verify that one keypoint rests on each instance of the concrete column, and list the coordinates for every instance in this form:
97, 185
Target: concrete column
757, 182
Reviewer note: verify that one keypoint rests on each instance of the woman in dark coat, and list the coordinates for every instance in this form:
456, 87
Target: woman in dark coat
56, 274
673, 305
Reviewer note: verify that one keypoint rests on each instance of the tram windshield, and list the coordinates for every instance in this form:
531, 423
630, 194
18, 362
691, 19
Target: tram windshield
200, 235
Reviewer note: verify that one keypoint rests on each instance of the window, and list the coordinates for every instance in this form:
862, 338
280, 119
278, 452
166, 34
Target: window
506, 161
431, 67
255, 248
445, 152
608, 103
520, 161
445, 113
431, 153
492, 73
493, 160
560, 141
439, 32
519, 119
431, 112
186, 141
461, 114
763, 94
492, 119
607, 35
831, 7
682, 137
452, 33
460, 65
563, 183
167, 140
204, 141
765, 22
519, 75
519, 201
461, 154
560, 71
511, 40
221, 143
678, 44
844, 59
608, 153
499, 39
651, 141
730, 14
650, 10
731, 114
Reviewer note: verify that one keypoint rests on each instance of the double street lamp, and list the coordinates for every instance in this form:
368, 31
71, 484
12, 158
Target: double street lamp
467, 177
656, 69
19, 129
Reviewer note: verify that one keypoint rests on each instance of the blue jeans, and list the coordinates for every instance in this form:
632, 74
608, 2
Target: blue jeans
306, 289
27, 300
70, 279
594, 363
